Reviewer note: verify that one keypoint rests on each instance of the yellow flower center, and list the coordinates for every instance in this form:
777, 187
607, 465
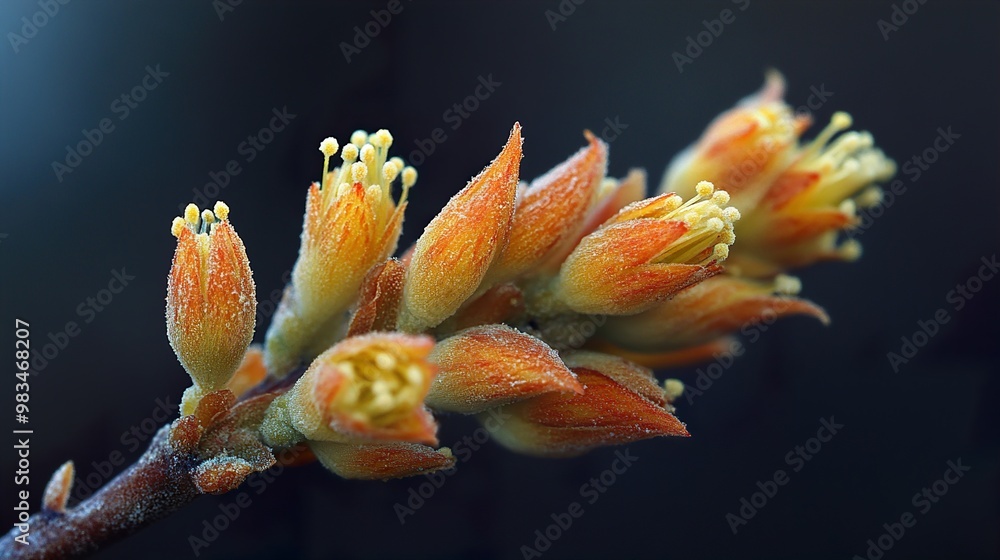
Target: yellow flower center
382, 385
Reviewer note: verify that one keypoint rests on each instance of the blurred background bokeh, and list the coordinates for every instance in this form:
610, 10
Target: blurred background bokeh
221, 68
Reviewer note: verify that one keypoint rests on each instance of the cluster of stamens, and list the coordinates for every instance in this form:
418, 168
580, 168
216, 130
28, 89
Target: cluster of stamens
845, 164
365, 162
380, 386
199, 221
708, 221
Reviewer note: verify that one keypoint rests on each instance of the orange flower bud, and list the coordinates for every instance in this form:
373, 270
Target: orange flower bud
492, 365
364, 388
351, 224
647, 252
381, 461
707, 311
552, 210
612, 196
621, 403
211, 305
461, 242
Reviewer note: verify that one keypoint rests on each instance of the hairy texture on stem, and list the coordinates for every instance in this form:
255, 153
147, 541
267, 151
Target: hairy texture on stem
158, 484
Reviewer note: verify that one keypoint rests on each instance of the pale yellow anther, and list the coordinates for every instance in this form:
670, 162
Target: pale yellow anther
850, 250
720, 252
409, 177
359, 137
721, 198
870, 197
343, 189
358, 171
787, 285
848, 208
347, 368
349, 153
728, 237
672, 203
368, 154
704, 188
674, 388
177, 225
385, 360
390, 172
381, 139
841, 120
207, 216
191, 214
731, 214
414, 375
329, 146
715, 224
398, 162
222, 210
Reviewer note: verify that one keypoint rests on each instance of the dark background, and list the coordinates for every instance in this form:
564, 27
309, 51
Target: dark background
606, 60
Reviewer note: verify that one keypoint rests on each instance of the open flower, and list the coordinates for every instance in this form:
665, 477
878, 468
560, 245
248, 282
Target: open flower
351, 224
795, 197
621, 403
211, 304
647, 252
364, 388
799, 220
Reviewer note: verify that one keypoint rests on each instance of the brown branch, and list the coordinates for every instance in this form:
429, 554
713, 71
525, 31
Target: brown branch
158, 484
